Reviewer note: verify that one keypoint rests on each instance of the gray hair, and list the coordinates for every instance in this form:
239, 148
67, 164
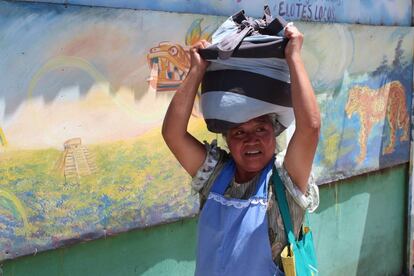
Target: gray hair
278, 128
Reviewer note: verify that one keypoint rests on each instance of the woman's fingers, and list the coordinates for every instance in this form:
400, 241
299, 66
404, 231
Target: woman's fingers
205, 43
201, 44
196, 60
292, 31
295, 37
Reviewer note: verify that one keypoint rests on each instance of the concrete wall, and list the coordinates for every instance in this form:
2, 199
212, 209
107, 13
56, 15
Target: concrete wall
359, 230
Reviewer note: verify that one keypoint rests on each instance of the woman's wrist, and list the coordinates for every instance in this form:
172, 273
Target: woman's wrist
294, 58
196, 72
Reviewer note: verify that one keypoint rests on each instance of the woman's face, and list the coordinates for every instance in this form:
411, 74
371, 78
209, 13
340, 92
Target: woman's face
252, 145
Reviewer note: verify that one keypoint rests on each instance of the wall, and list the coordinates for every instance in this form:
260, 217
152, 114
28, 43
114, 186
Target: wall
373, 12
80, 123
66, 90
71, 171
359, 229
360, 224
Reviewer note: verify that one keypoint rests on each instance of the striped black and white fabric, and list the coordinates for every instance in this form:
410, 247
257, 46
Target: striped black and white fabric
248, 75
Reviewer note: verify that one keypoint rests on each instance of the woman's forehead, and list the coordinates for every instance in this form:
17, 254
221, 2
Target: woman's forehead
260, 119
257, 120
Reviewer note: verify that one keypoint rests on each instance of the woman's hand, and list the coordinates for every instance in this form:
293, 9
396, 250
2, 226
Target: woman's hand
198, 64
294, 46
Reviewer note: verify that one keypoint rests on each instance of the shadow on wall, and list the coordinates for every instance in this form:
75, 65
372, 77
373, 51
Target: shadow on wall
359, 227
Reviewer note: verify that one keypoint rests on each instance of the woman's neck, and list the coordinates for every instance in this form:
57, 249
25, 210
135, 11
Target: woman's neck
243, 176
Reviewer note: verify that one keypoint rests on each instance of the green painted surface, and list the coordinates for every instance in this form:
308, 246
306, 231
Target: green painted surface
163, 250
359, 229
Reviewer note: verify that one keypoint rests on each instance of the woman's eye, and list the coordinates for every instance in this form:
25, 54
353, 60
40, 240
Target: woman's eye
239, 132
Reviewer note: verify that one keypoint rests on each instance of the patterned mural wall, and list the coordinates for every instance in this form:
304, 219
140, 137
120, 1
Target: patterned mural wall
85, 91
410, 209
373, 12
364, 87
83, 97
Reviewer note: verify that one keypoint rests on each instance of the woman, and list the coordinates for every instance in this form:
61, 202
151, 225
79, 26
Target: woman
237, 236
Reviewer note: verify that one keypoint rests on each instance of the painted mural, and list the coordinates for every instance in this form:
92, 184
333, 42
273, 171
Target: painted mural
410, 214
372, 12
364, 87
85, 91
81, 155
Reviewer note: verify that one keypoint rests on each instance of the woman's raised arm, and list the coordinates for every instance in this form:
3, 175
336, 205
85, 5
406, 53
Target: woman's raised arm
187, 149
302, 147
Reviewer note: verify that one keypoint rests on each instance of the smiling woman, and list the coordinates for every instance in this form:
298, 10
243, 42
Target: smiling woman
240, 226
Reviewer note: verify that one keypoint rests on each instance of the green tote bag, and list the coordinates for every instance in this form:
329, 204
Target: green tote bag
298, 257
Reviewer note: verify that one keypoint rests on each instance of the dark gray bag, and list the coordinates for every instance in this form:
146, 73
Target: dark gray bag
248, 75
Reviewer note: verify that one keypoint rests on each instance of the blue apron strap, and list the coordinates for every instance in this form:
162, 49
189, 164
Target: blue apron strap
227, 173
223, 180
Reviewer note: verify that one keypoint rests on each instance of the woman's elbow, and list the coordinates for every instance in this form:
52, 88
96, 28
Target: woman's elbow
172, 135
315, 125
311, 128
314, 129
310, 133
166, 132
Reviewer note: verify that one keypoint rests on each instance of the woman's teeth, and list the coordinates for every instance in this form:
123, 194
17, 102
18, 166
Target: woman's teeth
253, 152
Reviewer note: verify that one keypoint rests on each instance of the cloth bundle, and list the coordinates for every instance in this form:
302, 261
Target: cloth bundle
248, 75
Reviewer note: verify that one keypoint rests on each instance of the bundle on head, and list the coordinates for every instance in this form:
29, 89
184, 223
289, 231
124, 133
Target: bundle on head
248, 75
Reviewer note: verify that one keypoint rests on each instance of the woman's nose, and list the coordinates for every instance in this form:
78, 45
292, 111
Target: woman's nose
251, 137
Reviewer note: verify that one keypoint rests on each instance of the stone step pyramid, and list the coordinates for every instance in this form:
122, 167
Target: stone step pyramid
76, 161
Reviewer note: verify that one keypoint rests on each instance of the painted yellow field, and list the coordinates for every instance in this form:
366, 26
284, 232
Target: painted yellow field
136, 183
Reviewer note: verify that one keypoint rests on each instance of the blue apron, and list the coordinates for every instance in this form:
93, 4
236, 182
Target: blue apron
233, 234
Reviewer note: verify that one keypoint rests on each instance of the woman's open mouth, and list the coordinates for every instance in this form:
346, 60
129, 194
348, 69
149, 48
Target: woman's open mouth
252, 152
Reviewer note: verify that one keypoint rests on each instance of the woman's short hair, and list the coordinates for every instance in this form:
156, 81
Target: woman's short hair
278, 128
